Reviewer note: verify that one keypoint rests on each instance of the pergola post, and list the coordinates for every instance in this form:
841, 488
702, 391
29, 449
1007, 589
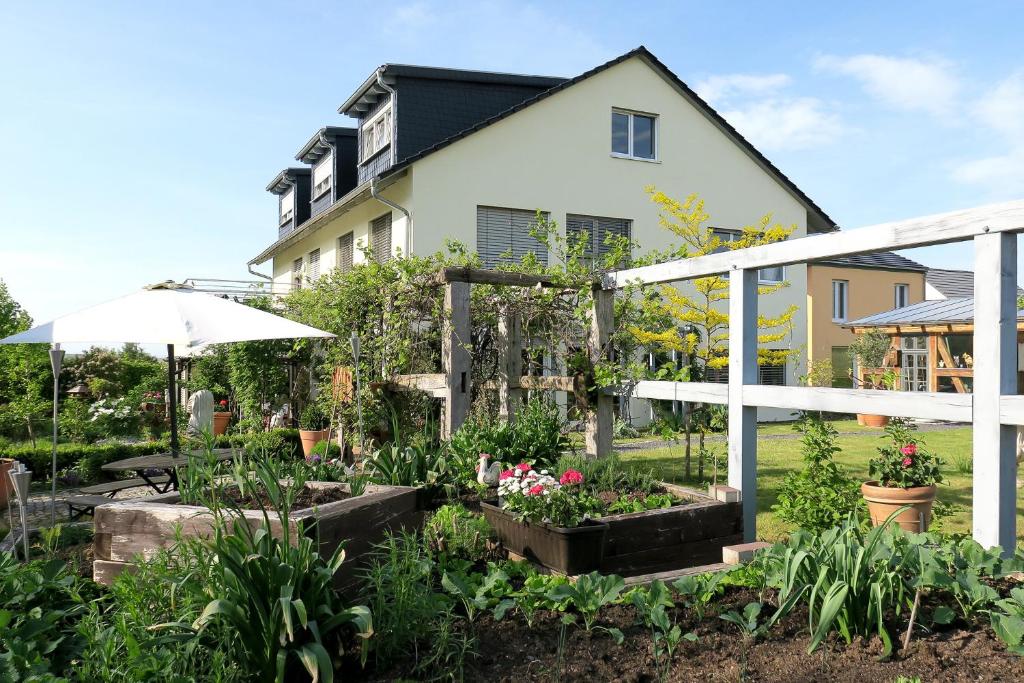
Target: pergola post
743, 370
599, 411
510, 362
995, 375
455, 357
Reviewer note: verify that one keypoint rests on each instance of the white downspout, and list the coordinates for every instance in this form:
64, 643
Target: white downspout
374, 191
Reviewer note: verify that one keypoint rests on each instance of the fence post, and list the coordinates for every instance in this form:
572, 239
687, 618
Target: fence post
455, 358
743, 370
995, 374
510, 362
599, 408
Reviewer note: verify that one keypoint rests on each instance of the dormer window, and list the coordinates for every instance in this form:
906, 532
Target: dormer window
376, 133
287, 206
322, 176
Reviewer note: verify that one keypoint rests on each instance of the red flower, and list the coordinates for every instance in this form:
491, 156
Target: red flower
907, 462
909, 449
524, 467
536, 490
507, 474
570, 477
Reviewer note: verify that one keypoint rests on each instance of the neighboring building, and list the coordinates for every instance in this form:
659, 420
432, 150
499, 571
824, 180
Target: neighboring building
943, 283
841, 290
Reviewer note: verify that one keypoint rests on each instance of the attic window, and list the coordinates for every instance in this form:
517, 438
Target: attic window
322, 176
633, 135
376, 133
287, 206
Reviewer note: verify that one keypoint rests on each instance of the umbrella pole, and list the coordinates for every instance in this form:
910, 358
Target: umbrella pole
172, 399
56, 359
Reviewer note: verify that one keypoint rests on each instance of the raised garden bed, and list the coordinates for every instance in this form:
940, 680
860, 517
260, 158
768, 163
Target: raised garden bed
125, 531
687, 535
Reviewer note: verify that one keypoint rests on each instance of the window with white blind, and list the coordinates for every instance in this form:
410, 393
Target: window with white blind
314, 264
901, 296
503, 236
343, 255
376, 133
322, 173
297, 273
596, 231
768, 374
840, 300
380, 238
768, 276
288, 205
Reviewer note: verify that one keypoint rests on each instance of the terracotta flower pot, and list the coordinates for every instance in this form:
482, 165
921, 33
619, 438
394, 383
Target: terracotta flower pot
220, 423
885, 500
873, 420
310, 438
6, 486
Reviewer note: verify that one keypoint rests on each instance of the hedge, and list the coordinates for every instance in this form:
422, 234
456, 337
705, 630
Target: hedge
88, 459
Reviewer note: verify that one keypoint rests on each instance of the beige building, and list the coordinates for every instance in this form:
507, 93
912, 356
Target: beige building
855, 287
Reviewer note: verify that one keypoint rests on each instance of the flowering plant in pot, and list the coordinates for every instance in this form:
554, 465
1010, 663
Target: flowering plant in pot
538, 497
221, 417
905, 473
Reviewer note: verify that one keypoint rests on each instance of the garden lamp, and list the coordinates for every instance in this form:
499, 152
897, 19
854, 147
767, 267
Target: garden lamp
354, 340
56, 360
21, 477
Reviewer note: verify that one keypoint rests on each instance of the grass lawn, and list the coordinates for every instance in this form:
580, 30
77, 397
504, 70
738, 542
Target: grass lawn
777, 457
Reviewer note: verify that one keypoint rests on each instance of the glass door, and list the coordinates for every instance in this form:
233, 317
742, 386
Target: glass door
914, 368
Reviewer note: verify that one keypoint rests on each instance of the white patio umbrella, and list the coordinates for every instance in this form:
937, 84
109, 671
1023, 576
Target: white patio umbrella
166, 313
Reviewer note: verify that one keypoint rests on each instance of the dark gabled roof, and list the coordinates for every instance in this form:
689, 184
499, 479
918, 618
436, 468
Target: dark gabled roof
823, 223
370, 88
285, 179
317, 146
885, 260
951, 283
939, 312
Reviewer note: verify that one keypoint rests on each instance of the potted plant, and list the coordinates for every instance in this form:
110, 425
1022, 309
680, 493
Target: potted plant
221, 417
312, 428
904, 474
870, 349
548, 520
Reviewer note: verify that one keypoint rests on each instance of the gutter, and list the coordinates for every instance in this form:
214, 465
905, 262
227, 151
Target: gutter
256, 273
374, 192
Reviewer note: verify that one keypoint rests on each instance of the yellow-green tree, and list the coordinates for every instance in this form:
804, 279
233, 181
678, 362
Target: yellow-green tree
697, 313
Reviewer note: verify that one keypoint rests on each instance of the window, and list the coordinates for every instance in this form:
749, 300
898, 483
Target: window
314, 264
503, 236
380, 238
596, 231
901, 296
771, 374
773, 275
376, 133
343, 255
297, 273
840, 300
633, 135
842, 367
322, 176
287, 205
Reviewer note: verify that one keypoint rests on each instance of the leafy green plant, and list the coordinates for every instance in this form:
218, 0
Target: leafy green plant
699, 590
452, 531
652, 604
312, 418
588, 595
1008, 621
654, 501
749, 622
416, 465
537, 436
904, 462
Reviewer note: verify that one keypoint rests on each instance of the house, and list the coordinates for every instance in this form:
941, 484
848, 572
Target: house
841, 290
471, 155
944, 283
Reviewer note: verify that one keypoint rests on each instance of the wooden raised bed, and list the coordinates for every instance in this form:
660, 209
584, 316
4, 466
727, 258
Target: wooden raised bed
652, 541
125, 531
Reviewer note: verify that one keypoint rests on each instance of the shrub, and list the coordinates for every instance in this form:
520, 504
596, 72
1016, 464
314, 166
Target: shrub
537, 436
821, 495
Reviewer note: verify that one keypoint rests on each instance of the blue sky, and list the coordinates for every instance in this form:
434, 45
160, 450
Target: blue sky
137, 138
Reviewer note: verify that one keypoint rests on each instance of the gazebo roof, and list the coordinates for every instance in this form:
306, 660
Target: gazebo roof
941, 312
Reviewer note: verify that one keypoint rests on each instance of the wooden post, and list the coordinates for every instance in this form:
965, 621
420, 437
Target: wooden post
995, 374
455, 357
933, 362
599, 409
743, 370
510, 363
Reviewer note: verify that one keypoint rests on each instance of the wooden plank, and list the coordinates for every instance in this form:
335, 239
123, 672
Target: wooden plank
664, 528
670, 576
995, 375
434, 384
698, 392
699, 552
915, 232
743, 372
455, 357
943, 351
122, 484
599, 408
548, 383
933, 361
510, 362
941, 406
1011, 410
482, 276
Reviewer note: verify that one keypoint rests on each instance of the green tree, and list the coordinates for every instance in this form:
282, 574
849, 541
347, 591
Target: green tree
25, 375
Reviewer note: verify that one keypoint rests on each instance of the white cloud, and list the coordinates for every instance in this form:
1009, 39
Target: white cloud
1001, 111
900, 82
797, 123
718, 88
1003, 108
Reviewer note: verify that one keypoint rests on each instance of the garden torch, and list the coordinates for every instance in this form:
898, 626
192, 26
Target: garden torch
354, 339
21, 476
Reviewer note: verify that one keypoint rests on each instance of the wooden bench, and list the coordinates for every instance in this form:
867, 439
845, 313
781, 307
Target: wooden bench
82, 504
112, 488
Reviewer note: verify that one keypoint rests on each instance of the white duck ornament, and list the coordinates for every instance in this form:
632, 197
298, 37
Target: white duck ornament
488, 475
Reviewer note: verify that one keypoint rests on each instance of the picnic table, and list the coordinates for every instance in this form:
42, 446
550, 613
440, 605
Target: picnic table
166, 463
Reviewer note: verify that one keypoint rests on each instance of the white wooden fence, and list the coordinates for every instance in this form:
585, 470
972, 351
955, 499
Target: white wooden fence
993, 408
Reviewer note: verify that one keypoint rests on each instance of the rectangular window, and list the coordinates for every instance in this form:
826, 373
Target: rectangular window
287, 206
322, 176
297, 273
901, 296
840, 300
634, 135
597, 232
772, 375
380, 238
376, 133
842, 367
314, 264
503, 236
767, 276
343, 257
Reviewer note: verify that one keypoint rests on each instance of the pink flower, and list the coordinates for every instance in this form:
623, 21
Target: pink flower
507, 474
907, 462
909, 449
536, 490
524, 467
570, 477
